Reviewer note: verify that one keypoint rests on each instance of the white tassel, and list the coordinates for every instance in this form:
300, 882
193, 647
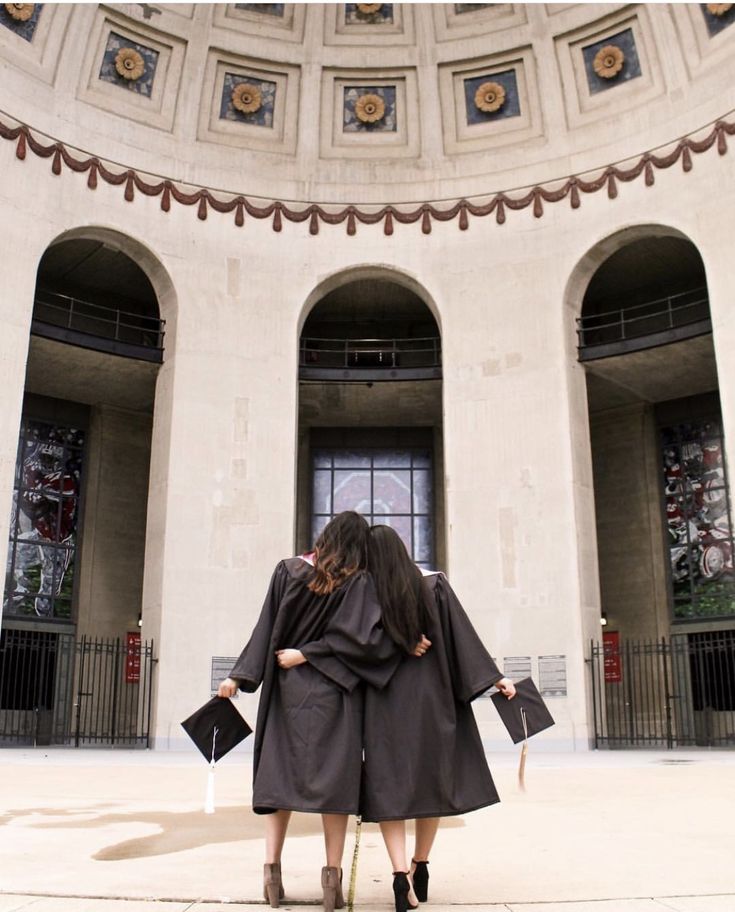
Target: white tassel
209, 800
524, 753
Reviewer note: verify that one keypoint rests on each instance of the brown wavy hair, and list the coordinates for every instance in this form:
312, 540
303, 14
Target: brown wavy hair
339, 552
402, 590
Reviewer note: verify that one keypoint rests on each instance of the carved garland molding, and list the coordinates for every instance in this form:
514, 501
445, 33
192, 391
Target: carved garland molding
571, 187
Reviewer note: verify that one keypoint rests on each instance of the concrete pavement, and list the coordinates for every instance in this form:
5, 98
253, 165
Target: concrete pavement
607, 831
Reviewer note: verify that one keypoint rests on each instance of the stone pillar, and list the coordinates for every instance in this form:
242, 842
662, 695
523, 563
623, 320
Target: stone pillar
222, 482
630, 531
520, 522
113, 531
715, 246
16, 307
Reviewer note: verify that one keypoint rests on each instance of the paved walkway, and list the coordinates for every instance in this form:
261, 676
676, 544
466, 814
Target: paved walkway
124, 831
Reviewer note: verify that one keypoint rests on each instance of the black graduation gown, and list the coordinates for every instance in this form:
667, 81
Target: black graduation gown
423, 753
308, 734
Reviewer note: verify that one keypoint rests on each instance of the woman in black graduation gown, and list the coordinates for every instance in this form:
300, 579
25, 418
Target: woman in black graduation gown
308, 735
423, 754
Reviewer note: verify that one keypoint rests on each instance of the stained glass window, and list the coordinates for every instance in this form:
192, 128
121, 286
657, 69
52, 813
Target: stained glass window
43, 525
700, 543
392, 487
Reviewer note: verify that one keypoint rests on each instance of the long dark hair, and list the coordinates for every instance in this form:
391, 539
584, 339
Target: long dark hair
402, 591
340, 551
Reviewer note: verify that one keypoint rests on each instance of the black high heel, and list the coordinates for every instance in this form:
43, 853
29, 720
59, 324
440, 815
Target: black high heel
420, 879
401, 889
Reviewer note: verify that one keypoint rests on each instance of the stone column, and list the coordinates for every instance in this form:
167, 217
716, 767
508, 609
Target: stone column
520, 522
113, 535
18, 281
222, 480
716, 248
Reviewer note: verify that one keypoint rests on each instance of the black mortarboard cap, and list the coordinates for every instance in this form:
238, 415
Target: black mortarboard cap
526, 703
525, 715
216, 728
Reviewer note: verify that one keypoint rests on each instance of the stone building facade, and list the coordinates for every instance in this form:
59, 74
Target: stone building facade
372, 231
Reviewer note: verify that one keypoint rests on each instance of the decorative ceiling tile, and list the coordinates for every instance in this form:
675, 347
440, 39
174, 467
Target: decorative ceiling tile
368, 13
369, 109
248, 99
621, 52
718, 16
267, 9
370, 114
372, 23
611, 61
21, 18
246, 105
492, 97
489, 102
130, 65
469, 20
460, 8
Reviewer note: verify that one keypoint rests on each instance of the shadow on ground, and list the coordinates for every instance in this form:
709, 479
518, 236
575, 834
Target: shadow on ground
178, 831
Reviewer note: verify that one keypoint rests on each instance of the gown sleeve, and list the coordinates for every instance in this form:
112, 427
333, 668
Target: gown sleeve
354, 646
472, 668
249, 669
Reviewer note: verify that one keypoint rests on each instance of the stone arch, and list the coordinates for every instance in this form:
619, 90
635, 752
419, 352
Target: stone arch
140, 253
603, 249
396, 410
361, 272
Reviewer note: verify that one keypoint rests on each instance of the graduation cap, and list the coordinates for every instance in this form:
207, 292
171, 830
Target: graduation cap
215, 729
524, 716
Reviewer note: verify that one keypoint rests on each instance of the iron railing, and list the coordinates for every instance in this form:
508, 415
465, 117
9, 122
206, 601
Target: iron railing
98, 326
675, 692
411, 358
646, 325
56, 689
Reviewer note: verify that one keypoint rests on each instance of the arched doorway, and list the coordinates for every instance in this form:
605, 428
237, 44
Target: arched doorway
370, 415
71, 666
662, 500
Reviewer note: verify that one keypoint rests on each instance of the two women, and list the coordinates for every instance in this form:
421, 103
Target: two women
355, 683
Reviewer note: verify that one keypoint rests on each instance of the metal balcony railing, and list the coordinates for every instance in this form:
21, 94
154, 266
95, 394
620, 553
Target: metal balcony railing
98, 326
658, 322
370, 359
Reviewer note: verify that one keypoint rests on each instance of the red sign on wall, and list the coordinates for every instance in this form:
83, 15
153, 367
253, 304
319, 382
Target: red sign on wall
611, 652
132, 658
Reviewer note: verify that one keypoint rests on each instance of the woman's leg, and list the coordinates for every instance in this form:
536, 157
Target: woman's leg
335, 832
426, 828
394, 836
276, 826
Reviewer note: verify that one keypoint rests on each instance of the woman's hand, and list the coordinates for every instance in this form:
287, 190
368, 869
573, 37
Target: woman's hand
290, 658
422, 647
506, 687
228, 688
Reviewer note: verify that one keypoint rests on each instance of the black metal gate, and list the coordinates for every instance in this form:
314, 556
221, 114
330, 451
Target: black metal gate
56, 689
675, 692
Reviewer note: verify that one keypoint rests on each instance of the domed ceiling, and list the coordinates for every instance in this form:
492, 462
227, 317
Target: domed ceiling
365, 103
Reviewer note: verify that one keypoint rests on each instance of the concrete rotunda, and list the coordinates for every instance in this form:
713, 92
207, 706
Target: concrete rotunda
466, 268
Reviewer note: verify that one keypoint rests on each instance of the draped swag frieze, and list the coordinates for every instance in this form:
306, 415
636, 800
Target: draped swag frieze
498, 203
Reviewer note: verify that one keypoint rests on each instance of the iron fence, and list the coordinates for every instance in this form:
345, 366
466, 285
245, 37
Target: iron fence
56, 689
675, 692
